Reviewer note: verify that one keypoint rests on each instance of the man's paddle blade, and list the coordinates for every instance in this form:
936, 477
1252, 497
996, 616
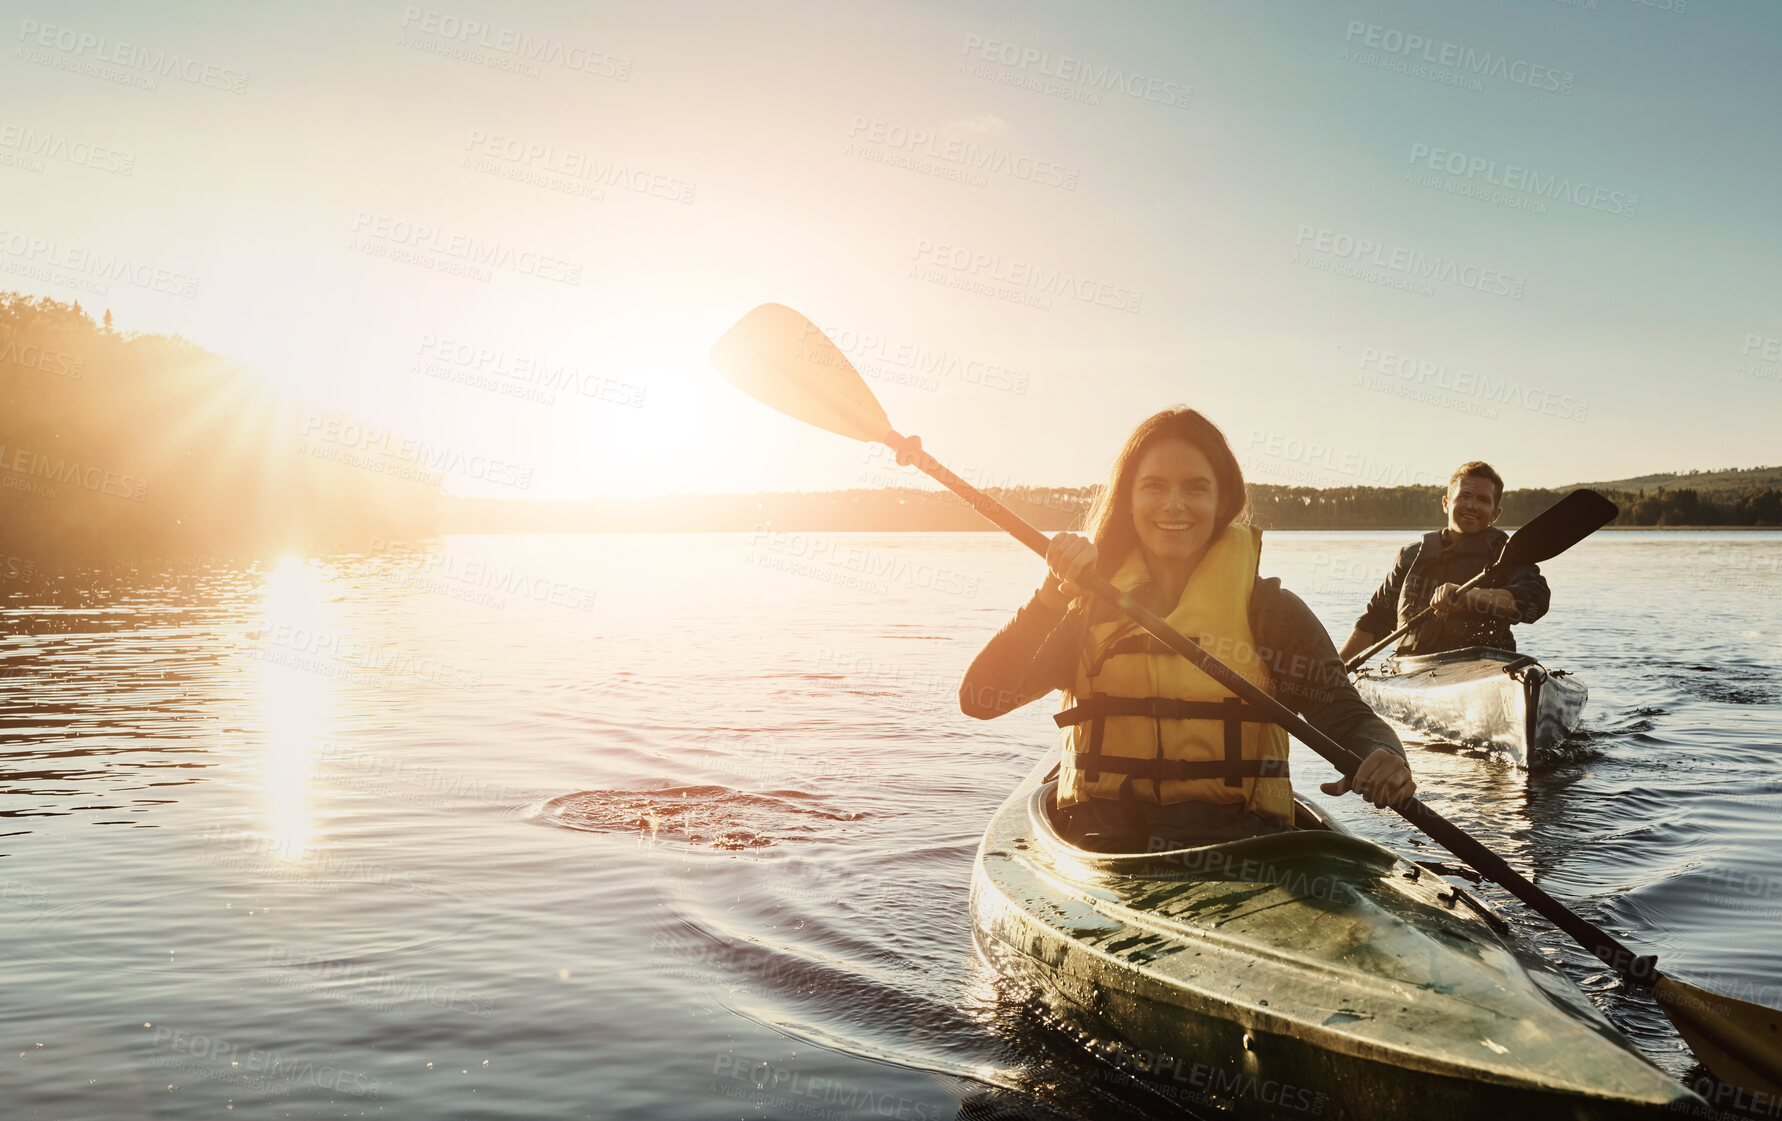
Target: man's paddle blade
1738, 1041
1558, 527
782, 359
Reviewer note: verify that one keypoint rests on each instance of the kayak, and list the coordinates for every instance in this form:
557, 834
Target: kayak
1309, 973
1480, 697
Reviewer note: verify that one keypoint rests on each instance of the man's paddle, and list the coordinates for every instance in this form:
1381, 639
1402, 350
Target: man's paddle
782, 359
1548, 534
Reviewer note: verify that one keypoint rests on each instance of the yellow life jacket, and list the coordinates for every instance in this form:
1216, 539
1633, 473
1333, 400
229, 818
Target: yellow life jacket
1140, 713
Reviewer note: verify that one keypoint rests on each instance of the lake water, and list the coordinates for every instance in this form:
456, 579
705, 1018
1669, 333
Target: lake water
681, 826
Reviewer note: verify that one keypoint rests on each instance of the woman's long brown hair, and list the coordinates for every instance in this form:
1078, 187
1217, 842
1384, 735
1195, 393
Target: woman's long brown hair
1109, 520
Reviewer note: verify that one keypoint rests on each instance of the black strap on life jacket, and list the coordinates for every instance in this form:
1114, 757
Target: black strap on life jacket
1231, 711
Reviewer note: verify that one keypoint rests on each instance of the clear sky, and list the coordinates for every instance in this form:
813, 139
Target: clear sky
1370, 239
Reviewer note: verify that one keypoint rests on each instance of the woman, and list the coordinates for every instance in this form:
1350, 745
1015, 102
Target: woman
1158, 755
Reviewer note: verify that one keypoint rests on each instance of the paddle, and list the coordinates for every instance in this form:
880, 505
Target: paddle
782, 359
1548, 534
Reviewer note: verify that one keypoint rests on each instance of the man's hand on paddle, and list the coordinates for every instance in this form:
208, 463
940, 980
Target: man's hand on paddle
1383, 778
1449, 598
1486, 601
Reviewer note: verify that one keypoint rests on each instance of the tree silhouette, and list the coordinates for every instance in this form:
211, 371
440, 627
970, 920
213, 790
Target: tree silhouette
116, 446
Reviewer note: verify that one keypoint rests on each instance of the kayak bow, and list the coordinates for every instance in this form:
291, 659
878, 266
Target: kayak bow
1307, 970
1479, 697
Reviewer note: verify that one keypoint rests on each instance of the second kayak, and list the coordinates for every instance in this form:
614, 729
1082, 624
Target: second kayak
1479, 697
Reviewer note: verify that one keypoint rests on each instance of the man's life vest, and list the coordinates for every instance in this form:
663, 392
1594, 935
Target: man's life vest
1142, 714
1444, 558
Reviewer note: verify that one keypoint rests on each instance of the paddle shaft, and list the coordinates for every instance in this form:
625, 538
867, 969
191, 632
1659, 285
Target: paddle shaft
1361, 659
1631, 967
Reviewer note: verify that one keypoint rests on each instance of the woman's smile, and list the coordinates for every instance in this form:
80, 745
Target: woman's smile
1175, 501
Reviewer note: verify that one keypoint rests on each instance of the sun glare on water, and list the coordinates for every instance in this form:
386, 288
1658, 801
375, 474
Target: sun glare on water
298, 697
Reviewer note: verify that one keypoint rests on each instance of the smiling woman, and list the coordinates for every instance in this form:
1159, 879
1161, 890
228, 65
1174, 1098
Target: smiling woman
1158, 753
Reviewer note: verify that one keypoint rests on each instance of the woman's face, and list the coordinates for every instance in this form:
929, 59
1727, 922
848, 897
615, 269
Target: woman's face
1175, 497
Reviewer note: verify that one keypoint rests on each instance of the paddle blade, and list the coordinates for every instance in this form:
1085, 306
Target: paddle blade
782, 359
1740, 1042
1558, 527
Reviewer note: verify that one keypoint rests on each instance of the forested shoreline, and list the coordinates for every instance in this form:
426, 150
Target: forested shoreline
1056, 508
117, 447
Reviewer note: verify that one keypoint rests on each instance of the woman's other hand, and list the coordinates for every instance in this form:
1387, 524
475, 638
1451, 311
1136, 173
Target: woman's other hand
1383, 779
1066, 559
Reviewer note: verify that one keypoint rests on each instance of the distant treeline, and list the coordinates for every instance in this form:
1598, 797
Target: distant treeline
1056, 508
1410, 507
121, 446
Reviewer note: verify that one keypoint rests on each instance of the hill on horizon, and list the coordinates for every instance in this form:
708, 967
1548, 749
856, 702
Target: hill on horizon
1725, 480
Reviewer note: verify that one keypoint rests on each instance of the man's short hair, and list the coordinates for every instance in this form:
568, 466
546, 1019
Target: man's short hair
1480, 469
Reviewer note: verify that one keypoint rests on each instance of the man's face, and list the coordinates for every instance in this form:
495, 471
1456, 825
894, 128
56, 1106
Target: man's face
1471, 505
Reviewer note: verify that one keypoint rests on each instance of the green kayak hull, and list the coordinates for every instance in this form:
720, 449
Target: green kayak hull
1307, 973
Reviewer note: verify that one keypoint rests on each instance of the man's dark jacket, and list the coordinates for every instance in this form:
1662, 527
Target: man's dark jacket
1446, 557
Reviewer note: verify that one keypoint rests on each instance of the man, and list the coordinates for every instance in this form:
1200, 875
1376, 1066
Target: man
1432, 570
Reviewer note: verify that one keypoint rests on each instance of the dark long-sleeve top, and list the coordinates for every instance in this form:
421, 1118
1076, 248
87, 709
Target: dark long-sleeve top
1446, 557
1038, 651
